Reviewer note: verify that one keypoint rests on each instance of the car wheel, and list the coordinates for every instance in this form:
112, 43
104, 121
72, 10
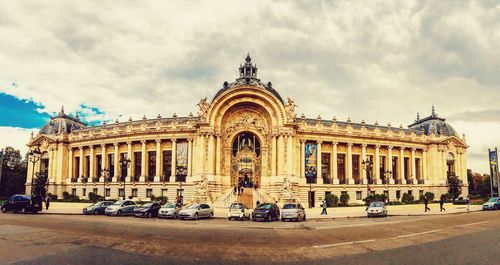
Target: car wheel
495, 207
253, 219
95, 212
211, 216
196, 216
150, 215
119, 213
269, 218
303, 219
176, 216
4, 210
282, 219
24, 211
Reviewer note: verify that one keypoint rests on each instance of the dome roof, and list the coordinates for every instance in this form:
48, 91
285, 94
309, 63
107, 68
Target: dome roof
62, 123
248, 76
433, 123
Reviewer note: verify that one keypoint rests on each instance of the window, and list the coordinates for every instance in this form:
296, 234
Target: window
167, 165
358, 195
355, 167
121, 193
98, 166
84, 192
325, 168
77, 174
420, 193
407, 167
386, 193
398, 194
134, 193
395, 174
87, 166
327, 193
164, 192
341, 167
149, 193
123, 170
382, 168
151, 164
95, 191
137, 164
180, 192
111, 165
417, 168
108, 192
73, 191
410, 192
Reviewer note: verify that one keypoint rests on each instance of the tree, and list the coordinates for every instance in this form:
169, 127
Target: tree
40, 184
344, 198
454, 186
13, 175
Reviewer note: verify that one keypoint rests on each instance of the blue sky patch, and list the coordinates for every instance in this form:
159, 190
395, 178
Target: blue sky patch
15, 112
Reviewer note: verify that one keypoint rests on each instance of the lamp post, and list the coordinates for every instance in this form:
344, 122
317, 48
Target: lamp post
124, 162
104, 175
34, 157
311, 198
367, 166
388, 176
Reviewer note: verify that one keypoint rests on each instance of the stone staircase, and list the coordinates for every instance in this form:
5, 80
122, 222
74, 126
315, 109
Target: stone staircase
246, 197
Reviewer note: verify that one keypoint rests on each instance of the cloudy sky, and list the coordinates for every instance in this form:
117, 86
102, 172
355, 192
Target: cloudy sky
374, 60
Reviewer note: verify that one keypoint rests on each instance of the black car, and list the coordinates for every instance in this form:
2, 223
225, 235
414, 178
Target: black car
266, 212
97, 208
22, 203
147, 210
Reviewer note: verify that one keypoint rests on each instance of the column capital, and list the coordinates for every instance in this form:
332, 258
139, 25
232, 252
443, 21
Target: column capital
319, 141
364, 145
143, 141
173, 140
349, 144
103, 146
157, 140
303, 141
129, 142
116, 144
413, 149
402, 148
377, 146
80, 148
335, 143
91, 147
389, 147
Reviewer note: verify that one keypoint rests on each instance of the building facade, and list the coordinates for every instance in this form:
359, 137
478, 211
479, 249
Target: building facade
247, 134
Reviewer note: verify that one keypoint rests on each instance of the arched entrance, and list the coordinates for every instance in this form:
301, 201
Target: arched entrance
245, 160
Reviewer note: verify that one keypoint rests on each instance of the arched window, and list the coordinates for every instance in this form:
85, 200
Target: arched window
450, 163
44, 163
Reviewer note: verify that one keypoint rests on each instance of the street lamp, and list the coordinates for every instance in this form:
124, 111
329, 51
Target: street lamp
388, 176
124, 162
104, 175
34, 157
367, 166
311, 198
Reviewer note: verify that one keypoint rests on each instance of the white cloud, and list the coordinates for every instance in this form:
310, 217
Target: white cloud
378, 61
15, 137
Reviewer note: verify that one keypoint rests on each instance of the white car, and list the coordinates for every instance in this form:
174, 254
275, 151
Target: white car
293, 211
376, 209
238, 211
195, 211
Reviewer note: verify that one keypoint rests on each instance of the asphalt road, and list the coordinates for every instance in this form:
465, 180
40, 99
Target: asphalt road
451, 239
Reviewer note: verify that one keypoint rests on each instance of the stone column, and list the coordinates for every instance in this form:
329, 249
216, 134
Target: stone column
174, 159
413, 166
289, 156
70, 164
335, 176
377, 165
82, 160
92, 170
201, 157
144, 162
129, 156
158, 160
211, 154
103, 162
402, 165
389, 164
281, 151
302, 159
190, 159
319, 176
273, 156
217, 155
349, 164
116, 157
363, 158
425, 176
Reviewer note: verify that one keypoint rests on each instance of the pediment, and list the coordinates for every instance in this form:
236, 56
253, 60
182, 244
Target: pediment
453, 140
42, 140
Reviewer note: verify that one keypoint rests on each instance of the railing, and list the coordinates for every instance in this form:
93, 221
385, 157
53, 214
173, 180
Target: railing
261, 198
229, 199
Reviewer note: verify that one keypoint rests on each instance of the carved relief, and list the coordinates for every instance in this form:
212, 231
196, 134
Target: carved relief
203, 108
248, 120
290, 108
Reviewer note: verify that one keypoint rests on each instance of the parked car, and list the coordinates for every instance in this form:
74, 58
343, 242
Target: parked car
293, 211
376, 209
238, 211
97, 208
266, 212
195, 211
147, 210
122, 207
492, 204
169, 210
23, 204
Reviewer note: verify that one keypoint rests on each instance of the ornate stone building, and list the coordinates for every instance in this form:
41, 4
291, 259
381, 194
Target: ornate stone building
248, 133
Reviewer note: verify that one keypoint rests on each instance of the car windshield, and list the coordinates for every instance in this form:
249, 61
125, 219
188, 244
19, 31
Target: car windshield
264, 207
169, 205
377, 204
96, 204
118, 203
236, 206
193, 206
290, 206
147, 205
493, 200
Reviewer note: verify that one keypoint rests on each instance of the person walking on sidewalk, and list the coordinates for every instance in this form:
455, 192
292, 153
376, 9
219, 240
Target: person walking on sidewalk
426, 202
323, 204
467, 201
47, 202
441, 203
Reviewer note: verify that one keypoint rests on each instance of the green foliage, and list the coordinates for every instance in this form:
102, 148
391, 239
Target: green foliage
52, 196
40, 184
454, 186
13, 171
344, 199
429, 195
160, 199
70, 198
95, 197
332, 200
407, 198
483, 187
375, 198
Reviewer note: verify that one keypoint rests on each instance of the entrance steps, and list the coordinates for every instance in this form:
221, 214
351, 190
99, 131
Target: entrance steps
246, 197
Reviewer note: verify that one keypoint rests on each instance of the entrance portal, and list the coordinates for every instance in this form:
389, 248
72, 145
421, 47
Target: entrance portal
245, 160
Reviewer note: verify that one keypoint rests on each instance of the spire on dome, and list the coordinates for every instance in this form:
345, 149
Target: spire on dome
62, 110
248, 70
433, 114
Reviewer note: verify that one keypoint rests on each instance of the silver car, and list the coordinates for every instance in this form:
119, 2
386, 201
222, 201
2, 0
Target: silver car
195, 211
293, 211
376, 209
169, 210
123, 207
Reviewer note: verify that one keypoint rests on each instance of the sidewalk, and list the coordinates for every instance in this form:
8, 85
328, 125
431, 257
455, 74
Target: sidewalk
73, 208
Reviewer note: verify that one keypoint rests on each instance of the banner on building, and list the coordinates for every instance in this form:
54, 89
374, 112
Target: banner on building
494, 181
181, 159
311, 156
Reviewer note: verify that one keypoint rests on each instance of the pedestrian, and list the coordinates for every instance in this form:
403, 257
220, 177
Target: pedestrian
441, 203
47, 203
467, 201
323, 204
241, 190
257, 203
426, 202
234, 190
